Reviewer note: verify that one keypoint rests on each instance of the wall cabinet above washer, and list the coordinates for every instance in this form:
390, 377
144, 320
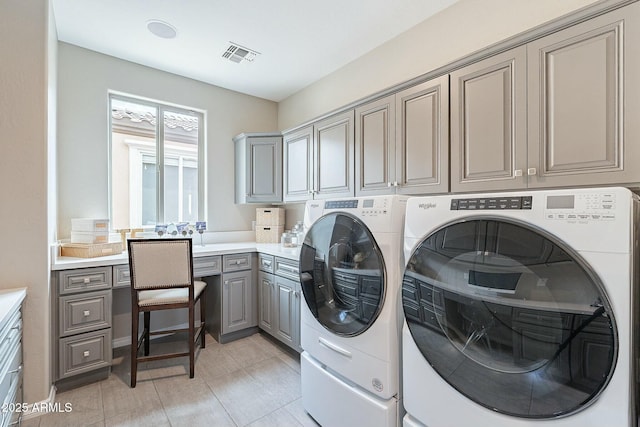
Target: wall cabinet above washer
258, 159
318, 160
402, 141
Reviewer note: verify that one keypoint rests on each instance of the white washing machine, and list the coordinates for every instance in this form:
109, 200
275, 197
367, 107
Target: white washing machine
351, 320
521, 309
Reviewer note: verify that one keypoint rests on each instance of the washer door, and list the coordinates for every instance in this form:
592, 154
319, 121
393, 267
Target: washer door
510, 317
342, 274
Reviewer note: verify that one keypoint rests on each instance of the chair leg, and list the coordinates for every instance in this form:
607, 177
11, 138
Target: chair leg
203, 331
134, 346
147, 331
191, 341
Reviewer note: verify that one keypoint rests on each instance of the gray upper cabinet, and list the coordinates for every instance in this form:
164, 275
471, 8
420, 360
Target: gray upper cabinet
402, 141
258, 160
422, 137
319, 160
375, 147
584, 100
488, 123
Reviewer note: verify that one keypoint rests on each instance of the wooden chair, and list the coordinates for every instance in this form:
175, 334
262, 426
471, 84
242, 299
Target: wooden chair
162, 279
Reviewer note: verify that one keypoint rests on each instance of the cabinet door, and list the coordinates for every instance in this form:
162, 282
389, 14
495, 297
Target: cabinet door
584, 102
333, 156
265, 169
375, 147
266, 297
288, 318
236, 301
422, 138
488, 123
298, 165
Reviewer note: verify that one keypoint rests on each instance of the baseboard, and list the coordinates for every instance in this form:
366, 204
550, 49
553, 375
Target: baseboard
43, 407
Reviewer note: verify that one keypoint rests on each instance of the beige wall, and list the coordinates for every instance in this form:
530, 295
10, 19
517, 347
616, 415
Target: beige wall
24, 127
84, 79
464, 28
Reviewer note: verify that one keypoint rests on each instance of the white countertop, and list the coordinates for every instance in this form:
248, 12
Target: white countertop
209, 249
10, 300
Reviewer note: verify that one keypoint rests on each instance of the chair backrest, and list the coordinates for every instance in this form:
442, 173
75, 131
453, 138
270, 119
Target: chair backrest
160, 263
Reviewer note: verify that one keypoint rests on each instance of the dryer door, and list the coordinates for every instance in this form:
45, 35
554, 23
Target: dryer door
342, 274
510, 317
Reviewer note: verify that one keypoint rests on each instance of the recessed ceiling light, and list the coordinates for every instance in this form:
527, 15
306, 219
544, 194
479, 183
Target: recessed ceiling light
161, 29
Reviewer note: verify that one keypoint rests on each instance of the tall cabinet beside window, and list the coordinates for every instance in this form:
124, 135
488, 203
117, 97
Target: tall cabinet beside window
258, 158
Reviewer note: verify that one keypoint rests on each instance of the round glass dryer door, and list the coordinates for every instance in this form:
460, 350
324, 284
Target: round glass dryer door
510, 317
342, 274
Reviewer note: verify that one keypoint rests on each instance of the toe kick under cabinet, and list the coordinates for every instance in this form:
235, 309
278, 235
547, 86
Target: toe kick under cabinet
83, 307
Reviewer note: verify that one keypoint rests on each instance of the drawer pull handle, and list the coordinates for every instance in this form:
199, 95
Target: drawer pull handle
86, 313
86, 353
289, 269
15, 371
87, 280
332, 346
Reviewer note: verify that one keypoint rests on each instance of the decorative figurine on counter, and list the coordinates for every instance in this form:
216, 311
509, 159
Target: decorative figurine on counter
201, 226
161, 229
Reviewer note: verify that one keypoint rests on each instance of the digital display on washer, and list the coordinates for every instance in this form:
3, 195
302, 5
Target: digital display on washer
341, 204
491, 203
561, 202
368, 203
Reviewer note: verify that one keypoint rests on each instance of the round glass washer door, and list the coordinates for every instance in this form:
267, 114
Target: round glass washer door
342, 274
510, 317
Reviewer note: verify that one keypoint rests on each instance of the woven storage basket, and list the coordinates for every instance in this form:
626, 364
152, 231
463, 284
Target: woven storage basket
270, 216
89, 250
269, 234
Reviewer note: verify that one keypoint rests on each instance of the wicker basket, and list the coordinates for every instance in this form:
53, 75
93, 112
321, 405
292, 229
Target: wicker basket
269, 234
270, 216
89, 250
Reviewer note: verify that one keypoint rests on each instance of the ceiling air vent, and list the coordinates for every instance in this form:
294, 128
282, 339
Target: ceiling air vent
237, 53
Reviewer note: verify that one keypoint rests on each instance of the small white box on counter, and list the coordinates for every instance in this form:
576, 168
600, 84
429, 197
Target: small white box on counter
270, 216
89, 224
90, 236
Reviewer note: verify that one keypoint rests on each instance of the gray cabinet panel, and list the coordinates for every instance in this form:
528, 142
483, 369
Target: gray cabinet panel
375, 147
298, 165
83, 353
266, 306
84, 312
583, 102
265, 262
236, 262
422, 135
237, 301
121, 276
207, 266
84, 279
488, 123
258, 160
333, 156
286, 301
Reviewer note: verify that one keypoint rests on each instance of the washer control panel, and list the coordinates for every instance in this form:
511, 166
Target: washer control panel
366, 207
581, 207
491, 203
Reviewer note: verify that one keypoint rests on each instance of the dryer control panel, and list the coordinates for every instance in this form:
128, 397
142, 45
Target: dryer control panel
581, 207
491, 203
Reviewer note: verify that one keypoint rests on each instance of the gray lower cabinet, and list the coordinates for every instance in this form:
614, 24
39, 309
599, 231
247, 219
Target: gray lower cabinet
266, 293
558, 111
11, 366
280, 298
402, 141
232, 298
83, 318
258, 160
318, 159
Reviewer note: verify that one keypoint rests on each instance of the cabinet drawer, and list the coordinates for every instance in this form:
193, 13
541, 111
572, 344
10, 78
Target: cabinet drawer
287, 268
84, 312
11, 375
84, 279
84, 353
206, 266
236, 262
10, 337
121, 276
265, 263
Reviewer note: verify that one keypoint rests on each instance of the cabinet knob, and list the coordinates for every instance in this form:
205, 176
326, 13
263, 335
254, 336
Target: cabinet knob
86, 313
517, 172
87, 280
86, 353
531, 171
389, 184
395, 183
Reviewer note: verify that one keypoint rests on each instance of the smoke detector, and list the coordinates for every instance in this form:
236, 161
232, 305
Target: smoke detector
236, 53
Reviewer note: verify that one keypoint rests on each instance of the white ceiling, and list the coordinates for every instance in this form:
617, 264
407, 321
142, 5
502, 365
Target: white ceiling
299, 41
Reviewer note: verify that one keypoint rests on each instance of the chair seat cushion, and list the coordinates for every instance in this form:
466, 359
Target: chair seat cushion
169, 296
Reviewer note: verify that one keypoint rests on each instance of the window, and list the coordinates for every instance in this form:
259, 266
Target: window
157, 168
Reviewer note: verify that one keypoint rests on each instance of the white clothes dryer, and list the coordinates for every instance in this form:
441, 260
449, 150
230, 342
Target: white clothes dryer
351, 319
521, 309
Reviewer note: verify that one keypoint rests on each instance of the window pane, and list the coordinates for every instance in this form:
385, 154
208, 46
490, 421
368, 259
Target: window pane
171, 193
190, 194
133, 173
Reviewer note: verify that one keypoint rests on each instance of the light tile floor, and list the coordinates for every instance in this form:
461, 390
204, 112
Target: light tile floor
251, 382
